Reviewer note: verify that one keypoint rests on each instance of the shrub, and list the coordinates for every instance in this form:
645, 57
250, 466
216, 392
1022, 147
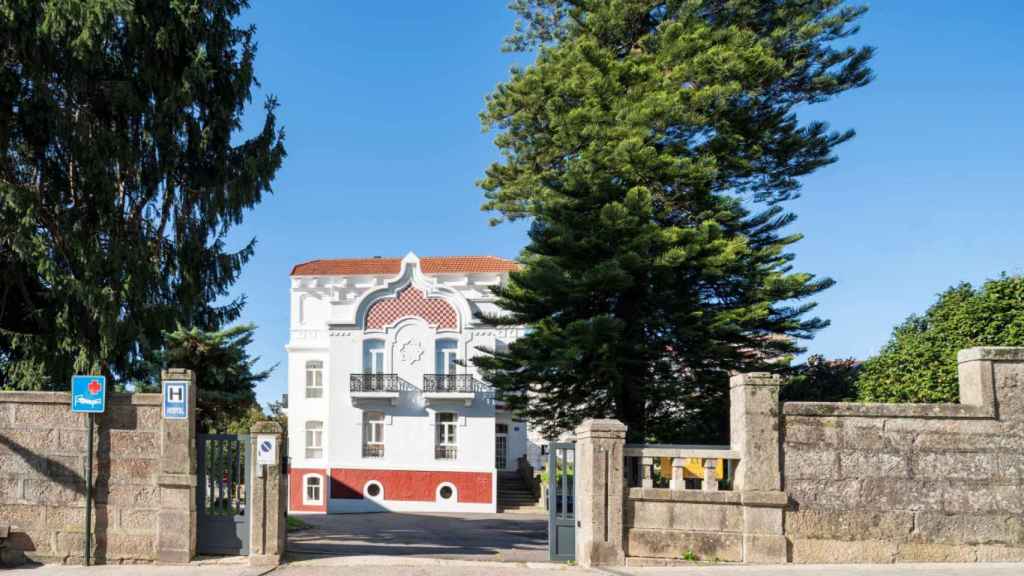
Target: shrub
918, 364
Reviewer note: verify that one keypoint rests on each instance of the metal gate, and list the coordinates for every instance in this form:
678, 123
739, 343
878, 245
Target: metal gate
561, 503
224, 479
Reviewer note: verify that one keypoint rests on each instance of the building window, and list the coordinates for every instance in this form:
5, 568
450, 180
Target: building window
314, 379
447, 436
313, 489
373, 356
373, 490
373, 434
445, 356
314, 439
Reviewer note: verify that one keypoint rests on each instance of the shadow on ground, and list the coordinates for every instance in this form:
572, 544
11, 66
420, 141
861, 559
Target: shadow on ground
506, 537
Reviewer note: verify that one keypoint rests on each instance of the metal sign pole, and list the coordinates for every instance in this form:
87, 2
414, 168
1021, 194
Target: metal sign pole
88, 395
88, 491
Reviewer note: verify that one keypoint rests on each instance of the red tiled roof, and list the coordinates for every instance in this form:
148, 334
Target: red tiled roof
429, 264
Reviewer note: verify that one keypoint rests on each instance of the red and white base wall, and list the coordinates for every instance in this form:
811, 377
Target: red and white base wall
347, 490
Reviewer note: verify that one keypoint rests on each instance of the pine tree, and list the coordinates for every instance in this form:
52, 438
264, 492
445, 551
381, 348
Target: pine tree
653, 146
121, 172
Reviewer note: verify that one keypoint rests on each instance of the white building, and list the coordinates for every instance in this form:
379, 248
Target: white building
386, 411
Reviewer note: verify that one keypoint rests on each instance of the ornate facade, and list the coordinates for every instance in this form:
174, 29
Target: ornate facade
386, 411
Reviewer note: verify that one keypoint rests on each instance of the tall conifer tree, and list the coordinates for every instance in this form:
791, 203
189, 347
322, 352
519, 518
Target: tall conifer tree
121, 171
653, 146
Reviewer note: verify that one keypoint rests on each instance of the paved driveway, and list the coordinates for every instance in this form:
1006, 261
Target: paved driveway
502, 537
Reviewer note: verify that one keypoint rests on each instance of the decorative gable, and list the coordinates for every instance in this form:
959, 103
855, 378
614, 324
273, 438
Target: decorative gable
411, 302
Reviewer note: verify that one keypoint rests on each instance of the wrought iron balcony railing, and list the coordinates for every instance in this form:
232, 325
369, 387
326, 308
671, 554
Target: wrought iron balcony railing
373, 450
451, 383
445, 452
375, 383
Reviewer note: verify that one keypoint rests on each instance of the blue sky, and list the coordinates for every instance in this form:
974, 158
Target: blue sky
384, 146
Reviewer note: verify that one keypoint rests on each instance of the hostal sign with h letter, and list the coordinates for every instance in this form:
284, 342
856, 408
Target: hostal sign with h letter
176, 399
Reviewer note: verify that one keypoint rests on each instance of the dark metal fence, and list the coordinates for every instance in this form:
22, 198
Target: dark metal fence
451, 383
375, 383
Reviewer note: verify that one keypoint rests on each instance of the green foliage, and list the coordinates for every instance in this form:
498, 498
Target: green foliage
653, 146
121, 172
295, 524
243, 424
224, 374
918, 364
822, 380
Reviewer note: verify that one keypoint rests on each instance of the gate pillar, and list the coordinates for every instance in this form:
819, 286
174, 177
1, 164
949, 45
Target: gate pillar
754, 432
268, 523
176, 519
600, 446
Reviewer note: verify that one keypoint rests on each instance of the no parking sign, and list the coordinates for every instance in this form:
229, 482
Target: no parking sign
266, 449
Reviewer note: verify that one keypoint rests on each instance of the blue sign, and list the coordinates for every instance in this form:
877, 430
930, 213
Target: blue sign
88, 393
176, 399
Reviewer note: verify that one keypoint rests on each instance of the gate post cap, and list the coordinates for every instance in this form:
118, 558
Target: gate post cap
608, 428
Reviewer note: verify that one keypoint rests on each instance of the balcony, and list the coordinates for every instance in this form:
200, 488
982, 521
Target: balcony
375, 386
446, 452
459, 387
373, 450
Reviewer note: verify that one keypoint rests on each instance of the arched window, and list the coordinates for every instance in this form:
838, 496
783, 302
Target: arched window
314, 439
445, 356
314, 379
373, 356
312, 489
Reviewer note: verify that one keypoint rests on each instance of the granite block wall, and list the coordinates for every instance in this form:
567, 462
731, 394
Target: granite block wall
911, 483
143, 478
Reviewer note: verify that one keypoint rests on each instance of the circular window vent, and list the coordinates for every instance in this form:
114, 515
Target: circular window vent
373, 490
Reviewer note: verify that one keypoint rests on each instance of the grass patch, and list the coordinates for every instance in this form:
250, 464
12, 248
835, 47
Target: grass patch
296, 524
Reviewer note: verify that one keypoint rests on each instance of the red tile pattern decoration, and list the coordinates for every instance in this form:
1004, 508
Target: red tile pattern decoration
412, 302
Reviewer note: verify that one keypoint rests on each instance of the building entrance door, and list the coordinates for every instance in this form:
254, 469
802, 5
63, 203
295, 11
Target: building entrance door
501, 446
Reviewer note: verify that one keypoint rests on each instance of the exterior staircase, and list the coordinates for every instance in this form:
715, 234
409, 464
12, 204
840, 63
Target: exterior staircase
515, 497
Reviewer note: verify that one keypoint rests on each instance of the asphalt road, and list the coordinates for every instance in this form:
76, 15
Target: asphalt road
498, 537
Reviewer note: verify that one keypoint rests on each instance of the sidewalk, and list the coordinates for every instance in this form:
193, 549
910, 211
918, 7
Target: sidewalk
430, 567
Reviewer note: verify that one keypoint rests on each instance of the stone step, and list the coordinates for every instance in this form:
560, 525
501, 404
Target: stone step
523, 509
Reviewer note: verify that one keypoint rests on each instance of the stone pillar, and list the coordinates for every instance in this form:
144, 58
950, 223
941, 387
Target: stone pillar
678, 481
268, 523
600, 493
176, 520
710, 483
977, 378
647, 471
754, 432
